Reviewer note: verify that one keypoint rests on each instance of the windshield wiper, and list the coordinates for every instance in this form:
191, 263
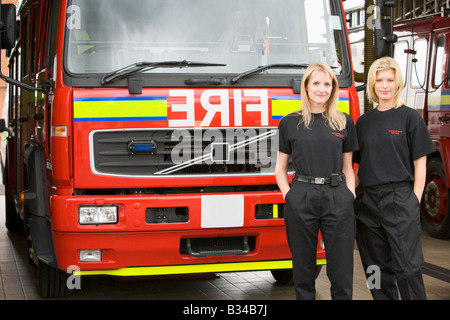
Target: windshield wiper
147, 65
267, 67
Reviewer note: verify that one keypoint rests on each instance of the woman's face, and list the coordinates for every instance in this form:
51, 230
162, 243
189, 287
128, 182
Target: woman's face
319, 90
385, 85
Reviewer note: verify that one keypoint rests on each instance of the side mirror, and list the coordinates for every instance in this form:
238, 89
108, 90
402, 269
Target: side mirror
8, 26
8, 30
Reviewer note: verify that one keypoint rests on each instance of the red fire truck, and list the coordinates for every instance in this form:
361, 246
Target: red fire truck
143, 134
423, 51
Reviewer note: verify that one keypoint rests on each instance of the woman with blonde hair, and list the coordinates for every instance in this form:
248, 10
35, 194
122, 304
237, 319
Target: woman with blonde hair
336, 119
393, 146
320, 140
386, 63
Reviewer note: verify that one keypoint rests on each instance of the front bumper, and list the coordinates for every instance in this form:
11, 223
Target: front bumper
138, 245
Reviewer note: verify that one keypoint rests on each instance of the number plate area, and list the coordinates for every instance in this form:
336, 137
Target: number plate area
222, 211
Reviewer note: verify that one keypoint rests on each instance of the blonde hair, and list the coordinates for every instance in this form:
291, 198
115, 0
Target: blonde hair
385, 63
335, 118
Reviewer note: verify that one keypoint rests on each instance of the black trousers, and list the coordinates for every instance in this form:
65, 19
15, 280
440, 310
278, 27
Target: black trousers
310, 208
388, 235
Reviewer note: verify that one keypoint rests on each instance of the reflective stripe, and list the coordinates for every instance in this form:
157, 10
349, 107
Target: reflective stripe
194, 268
282, 106
344, 105
120, 109
439, 101
275, 211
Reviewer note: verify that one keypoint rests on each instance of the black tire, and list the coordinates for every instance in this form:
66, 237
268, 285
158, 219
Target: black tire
285, 276
13, 222
51, 282
434, 205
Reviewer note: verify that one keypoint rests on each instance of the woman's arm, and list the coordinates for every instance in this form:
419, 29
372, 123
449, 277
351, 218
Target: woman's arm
281, 172
356, 176
420, 173
347, 169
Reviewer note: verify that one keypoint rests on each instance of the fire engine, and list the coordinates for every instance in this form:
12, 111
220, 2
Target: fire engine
422, 51
142, 135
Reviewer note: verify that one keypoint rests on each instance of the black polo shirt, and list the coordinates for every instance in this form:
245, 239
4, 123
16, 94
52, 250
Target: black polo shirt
317, 151
389, 142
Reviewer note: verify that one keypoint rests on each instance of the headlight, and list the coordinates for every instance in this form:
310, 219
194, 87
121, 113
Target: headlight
97, 215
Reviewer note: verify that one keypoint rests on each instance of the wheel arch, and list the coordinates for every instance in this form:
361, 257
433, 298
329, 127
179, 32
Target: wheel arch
36, 199
435, 215
442, 152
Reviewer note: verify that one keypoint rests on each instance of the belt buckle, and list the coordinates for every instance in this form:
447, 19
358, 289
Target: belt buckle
319, 180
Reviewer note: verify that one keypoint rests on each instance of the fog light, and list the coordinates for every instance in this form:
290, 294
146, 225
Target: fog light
97, 215
90, 255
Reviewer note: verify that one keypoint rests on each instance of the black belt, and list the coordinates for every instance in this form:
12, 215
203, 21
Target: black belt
334, 179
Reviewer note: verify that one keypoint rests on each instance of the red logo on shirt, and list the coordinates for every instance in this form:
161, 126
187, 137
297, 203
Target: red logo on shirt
397, 132
339, 135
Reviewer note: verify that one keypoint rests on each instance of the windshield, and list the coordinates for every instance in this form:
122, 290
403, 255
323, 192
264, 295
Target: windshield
106, 35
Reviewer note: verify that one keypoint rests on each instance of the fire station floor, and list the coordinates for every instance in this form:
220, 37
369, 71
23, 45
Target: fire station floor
17, 279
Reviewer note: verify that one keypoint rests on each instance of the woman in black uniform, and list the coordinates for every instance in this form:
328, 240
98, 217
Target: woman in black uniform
320, 139
394, 143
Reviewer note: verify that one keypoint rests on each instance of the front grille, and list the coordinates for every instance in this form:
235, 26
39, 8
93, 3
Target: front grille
169, 152
203, 247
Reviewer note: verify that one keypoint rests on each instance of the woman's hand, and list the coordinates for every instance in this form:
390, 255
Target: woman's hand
281, 173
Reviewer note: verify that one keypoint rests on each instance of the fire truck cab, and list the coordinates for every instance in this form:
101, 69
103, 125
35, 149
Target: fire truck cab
142, 135
423, 53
